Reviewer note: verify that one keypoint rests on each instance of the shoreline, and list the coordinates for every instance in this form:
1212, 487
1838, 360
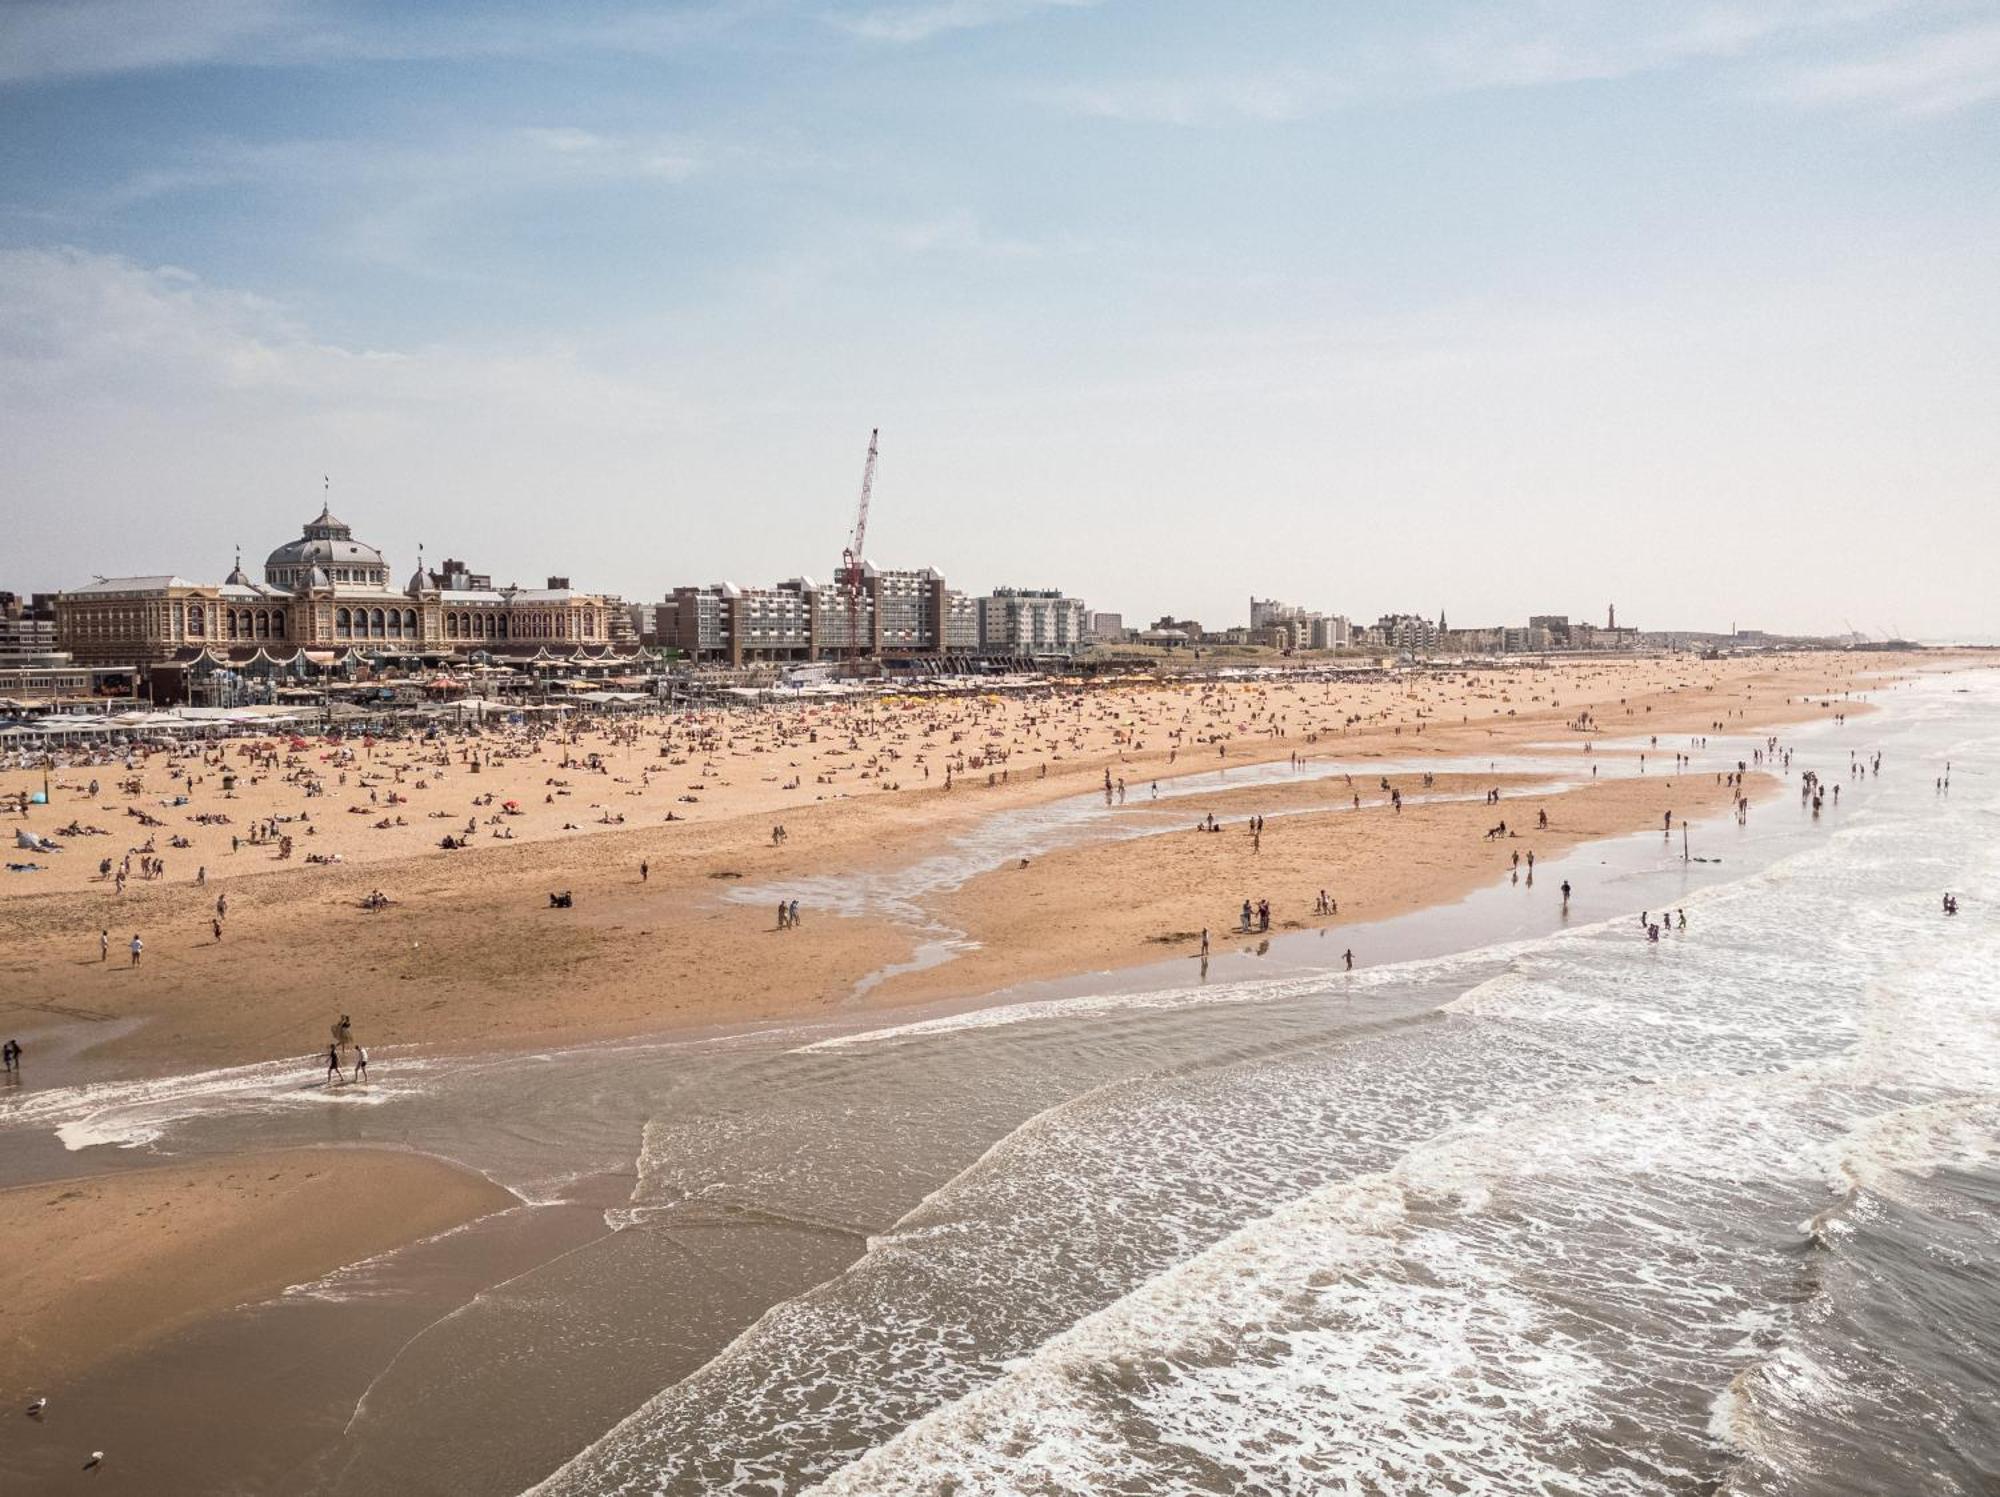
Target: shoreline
899, 1006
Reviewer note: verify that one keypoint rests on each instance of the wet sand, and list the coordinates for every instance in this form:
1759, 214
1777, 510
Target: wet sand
94, 1268
1122, 905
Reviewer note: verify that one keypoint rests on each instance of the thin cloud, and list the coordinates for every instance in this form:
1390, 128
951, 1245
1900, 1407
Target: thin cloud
1550, 44
1933, 75
42, 39
80, 329
918, 23
659, 158
54, 40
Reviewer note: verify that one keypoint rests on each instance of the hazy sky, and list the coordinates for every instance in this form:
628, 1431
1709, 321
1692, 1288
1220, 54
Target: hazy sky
1496, 308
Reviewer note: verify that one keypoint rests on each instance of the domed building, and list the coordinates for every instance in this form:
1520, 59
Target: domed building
329, 545
327, 591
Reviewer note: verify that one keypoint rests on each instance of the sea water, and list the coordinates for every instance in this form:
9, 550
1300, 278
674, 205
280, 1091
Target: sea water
1717, 1213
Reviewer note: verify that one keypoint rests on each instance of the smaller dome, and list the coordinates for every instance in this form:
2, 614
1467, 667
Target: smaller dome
317, 577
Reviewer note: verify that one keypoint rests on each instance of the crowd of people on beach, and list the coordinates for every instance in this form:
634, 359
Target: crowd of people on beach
193, 794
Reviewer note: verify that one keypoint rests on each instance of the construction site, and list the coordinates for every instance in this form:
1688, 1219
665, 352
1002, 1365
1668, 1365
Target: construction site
869, 620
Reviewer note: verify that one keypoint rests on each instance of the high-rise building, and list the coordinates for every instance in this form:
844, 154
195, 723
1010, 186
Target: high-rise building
27, 625
893, 615
1405, 631
1031, 622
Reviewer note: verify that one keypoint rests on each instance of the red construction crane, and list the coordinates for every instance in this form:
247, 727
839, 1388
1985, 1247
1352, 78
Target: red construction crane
850, 559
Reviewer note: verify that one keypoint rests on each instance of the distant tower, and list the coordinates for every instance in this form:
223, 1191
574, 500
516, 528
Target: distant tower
1611, 615
1441, 622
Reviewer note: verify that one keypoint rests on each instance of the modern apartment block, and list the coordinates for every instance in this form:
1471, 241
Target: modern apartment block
27, 625
1031, 622
895, 614
1289, 627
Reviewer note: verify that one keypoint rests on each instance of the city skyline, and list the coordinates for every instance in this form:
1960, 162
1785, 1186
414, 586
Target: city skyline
1500, 312
829, 579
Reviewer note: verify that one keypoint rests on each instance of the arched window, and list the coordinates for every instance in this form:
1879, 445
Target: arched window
377, 625
410, 621
263, 624
503, 626
396, 623
229, 623
343, 623
277, 623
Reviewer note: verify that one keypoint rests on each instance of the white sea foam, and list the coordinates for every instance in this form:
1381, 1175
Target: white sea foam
132, 1114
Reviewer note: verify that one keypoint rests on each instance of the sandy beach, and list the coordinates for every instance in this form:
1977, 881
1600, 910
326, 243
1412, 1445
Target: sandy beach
468, 950
467, 953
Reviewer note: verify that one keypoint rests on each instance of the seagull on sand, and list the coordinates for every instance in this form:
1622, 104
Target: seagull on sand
35, 1408
96, 1460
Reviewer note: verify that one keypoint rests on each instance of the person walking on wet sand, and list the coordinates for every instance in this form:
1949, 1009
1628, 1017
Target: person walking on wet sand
1565, 896
1204, 943
794, 913
333, 1065
645, 870
1348, 957
137, 947
360, 1063
784, 915
104, 945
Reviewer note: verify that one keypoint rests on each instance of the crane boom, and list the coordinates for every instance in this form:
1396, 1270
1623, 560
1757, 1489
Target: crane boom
867, 488
852, 580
